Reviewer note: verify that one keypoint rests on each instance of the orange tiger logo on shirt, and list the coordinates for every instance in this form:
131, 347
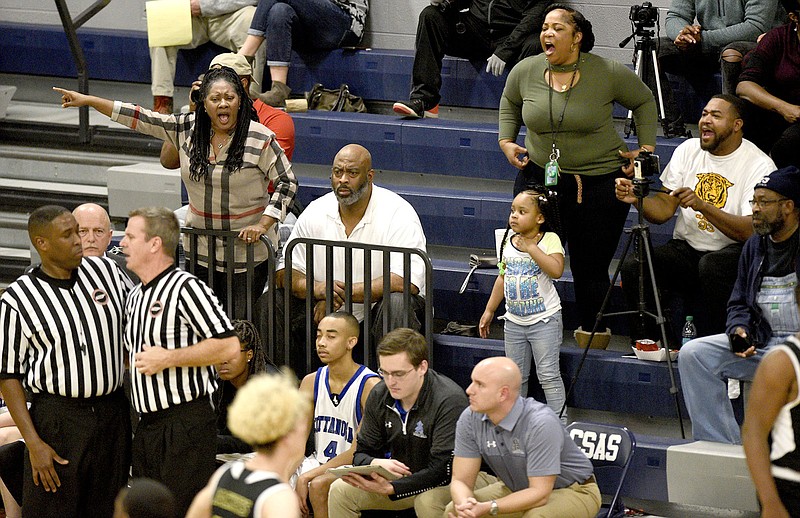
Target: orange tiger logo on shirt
713, 188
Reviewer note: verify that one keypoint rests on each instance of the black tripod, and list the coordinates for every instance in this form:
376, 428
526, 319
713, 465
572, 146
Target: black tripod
640, 238
645, 54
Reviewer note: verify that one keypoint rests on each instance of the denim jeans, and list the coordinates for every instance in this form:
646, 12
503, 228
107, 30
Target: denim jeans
317, 24
540, 342
705, 364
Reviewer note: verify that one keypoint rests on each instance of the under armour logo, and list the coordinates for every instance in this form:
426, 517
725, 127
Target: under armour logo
491, 444
388, 424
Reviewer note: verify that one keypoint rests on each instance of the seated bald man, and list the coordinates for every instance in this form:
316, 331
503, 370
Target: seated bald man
94, 229
355, 211
540, 469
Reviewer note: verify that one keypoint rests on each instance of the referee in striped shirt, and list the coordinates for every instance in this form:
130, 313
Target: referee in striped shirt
175, 331
61, 338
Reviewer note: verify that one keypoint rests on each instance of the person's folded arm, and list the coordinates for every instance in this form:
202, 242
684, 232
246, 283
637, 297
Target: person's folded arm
758, 95
680, 14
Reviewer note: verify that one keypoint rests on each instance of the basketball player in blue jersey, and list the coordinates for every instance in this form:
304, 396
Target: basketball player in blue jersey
340, 391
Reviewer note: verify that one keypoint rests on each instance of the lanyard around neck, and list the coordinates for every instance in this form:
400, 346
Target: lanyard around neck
554, 130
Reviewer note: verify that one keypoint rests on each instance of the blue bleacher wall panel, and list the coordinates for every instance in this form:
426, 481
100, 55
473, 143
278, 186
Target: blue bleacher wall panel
454, 148
320, 135
470, 85
609, 381
382, 74
110, 55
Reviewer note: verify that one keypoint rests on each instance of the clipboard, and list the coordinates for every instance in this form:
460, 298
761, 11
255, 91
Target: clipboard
362, 470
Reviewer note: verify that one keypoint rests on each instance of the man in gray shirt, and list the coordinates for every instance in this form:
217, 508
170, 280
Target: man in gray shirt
525, 444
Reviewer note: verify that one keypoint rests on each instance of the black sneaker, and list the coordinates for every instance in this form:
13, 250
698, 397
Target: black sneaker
415, 109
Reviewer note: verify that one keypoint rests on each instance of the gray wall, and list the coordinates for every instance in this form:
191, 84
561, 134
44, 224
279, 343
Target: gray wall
391, 24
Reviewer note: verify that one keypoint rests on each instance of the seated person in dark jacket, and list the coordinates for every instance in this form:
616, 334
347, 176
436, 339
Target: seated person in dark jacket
232, 376
409, 429
762, 311
502, 32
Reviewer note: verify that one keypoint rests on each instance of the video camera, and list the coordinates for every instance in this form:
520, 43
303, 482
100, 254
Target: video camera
644, 15
646, 164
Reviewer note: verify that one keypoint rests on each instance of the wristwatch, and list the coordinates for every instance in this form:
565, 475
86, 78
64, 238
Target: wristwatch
493, 508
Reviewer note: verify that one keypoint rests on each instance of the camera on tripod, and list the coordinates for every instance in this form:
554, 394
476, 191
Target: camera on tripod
646, 165
644, 15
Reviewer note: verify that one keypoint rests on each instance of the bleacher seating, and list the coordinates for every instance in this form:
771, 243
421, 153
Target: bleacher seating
461, 192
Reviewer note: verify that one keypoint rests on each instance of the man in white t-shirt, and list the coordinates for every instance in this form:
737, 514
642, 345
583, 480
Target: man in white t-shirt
357, 211
710, 182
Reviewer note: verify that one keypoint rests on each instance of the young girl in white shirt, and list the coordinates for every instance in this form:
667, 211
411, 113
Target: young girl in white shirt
531, 257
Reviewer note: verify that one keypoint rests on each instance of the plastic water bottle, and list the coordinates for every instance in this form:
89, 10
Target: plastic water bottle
689, 330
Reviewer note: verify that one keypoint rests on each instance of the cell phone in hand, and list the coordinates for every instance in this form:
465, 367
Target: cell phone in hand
739, 343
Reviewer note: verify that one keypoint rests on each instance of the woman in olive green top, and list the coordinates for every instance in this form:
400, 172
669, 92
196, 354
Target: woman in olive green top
565, 97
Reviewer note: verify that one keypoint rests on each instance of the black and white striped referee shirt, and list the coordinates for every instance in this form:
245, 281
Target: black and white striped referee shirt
64, 337
174, 310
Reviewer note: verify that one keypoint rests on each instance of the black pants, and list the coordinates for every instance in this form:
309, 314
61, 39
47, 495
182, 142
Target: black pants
177, 447
237, 308
697, 67
452, 33
790, 496
12, 466
591, 230
704, 280
94, 435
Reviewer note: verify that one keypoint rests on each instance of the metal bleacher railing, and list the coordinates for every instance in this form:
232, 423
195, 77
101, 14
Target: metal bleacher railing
312, 248
71, 26
227, 239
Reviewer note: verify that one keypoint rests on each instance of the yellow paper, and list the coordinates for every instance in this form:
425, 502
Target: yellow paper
169, 23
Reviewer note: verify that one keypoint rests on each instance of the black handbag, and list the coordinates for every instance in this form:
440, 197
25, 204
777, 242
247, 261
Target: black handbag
339, 100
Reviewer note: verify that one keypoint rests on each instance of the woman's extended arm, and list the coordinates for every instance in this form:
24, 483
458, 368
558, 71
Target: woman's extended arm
71, 99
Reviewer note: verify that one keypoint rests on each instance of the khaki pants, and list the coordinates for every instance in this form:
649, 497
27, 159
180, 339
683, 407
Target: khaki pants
346, 501
226, 30
575, 501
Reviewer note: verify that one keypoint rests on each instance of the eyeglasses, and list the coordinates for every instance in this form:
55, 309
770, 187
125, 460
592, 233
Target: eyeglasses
398, 375
338, 173
762, 204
